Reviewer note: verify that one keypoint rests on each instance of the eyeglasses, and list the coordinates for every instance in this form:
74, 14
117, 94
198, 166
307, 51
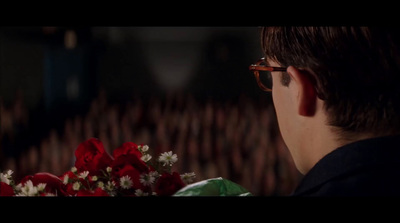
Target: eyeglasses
262, 73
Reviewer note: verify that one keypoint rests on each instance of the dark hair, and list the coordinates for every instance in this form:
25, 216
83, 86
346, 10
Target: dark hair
356, 71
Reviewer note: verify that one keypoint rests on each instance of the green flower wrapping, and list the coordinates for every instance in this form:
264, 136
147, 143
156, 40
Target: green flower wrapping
213, 187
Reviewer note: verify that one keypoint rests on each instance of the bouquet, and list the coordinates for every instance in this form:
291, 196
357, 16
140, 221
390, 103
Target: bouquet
130, 171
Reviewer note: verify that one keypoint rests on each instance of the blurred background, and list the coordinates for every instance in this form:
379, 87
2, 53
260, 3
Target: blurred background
185, 89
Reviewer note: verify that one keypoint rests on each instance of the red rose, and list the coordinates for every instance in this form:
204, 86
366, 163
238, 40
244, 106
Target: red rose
91, 156
129, 165
98, 192
127, 148
168, 184
53, 183
6, 190
69, 191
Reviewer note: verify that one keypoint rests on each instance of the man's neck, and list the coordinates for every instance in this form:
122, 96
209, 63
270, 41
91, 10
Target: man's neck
330, 138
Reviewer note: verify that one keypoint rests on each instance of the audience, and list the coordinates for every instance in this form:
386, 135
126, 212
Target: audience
236, 140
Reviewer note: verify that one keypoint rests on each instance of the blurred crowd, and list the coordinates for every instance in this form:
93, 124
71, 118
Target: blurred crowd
238, 140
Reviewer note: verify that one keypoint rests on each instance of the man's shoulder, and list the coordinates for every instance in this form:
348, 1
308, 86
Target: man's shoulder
366, 168
374, 181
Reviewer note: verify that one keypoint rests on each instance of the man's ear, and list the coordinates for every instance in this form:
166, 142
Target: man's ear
303, 91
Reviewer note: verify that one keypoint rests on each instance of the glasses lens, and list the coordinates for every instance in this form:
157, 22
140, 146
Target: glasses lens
265, 79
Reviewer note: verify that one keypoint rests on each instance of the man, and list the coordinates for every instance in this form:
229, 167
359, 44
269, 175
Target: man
336, 93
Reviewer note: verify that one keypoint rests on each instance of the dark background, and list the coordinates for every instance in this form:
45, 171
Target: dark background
119, 59
51, 74
56, 82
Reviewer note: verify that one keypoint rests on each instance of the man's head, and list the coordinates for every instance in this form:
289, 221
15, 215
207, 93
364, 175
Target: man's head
342, 83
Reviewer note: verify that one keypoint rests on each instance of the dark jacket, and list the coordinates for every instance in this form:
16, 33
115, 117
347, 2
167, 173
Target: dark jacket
368, 167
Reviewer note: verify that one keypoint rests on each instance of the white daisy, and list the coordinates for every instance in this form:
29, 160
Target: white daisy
110, 188
41, 186
125, 182
147, 179
66, 179
10, 172
18, 187
146, 157
144, 148
28, 189
83, 174
4, 178
110, 185
188, 178
167, 158
109, 169
139, 193
100, 184
76, 186
73, 169
154, 174
28, 184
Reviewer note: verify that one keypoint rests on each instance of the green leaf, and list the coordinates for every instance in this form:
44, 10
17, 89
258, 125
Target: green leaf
213, 187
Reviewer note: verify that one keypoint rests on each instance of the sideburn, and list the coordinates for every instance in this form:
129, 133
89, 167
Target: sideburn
285, 79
